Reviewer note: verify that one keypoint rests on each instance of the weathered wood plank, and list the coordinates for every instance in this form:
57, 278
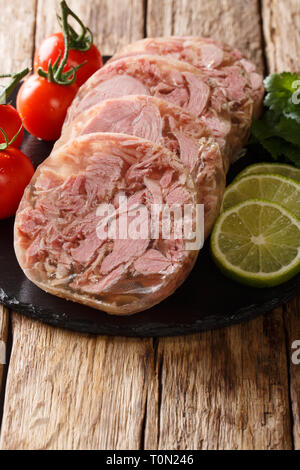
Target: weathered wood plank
114, 23
17, 25
72, 391
234, 22
281, 25
15, 54
292, 319
225, 389
3, 339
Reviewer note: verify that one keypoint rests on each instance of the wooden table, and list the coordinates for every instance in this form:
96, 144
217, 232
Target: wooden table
234, 388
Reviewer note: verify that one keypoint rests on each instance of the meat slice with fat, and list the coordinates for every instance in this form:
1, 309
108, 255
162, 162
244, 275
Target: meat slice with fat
60, 239
213, 57
176, 82
168, 125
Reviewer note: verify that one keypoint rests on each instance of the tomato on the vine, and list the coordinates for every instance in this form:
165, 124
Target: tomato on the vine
53, 47
44, 98
16, 171
11, 122
43, 106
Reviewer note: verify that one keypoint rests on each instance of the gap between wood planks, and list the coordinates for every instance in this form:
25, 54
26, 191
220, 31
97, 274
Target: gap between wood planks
34, 30
263, 42
145, 17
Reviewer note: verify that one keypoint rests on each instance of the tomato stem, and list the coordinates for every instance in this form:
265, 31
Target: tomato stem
55, 72
7, 143
16, 78
81, 42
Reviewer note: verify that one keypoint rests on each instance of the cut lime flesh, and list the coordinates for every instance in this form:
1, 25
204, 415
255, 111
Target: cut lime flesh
257, 243
275, 188
288, 171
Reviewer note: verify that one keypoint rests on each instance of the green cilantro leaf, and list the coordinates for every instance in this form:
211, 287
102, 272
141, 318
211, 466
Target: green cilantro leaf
278, 131
280, 88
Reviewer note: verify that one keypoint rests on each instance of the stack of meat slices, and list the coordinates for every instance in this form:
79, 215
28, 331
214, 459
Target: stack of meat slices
158, 125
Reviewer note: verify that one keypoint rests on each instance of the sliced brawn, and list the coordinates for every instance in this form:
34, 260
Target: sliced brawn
111, 219
166, 124
67, 242
176, 82
238, 78
226, 64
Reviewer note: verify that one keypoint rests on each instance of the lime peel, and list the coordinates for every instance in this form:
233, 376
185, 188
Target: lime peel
282, 169
276, 188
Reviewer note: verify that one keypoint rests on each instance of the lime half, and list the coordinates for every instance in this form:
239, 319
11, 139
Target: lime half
257, 243
271, 168
275, 188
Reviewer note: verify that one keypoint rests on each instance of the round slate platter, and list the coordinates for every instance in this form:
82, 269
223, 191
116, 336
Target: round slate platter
206, 300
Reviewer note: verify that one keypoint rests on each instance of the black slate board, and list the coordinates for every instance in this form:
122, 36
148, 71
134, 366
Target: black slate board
207, 299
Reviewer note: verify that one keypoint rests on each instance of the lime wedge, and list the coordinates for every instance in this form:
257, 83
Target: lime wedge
275, 188
257, 243
271, 168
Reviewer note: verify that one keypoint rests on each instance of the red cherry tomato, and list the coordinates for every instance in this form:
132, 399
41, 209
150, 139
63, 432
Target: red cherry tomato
11, 123
16, 171
43, 106
50, 49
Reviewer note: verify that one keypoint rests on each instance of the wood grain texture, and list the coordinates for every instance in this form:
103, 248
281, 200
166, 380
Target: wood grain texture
3, 338
281, 21
15, 54
236, 22
225, 389
72, 391
292, 321
66, 390
17, 26
114, 23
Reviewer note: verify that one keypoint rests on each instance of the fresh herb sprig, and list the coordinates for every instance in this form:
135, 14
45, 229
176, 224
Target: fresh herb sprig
278, 131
